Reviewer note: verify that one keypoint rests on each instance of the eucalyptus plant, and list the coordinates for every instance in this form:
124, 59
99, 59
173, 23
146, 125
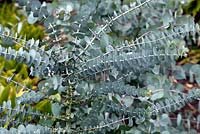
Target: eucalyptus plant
104, 67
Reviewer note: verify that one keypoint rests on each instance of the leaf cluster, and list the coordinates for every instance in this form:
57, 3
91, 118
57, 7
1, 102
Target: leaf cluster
104, 67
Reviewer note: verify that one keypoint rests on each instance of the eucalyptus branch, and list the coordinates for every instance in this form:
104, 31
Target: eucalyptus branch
109, 23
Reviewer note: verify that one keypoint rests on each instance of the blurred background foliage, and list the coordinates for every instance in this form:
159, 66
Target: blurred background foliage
11, 18
193, 8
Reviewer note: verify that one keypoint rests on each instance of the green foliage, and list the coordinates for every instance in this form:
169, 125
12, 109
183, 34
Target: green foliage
11, 18
104, 67
193, 7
